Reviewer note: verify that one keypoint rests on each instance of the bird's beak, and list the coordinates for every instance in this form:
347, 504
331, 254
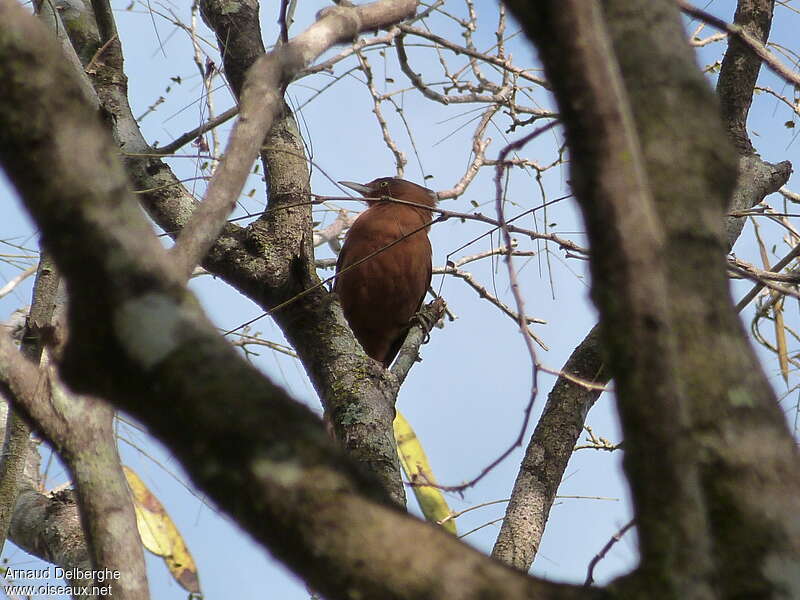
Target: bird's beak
358, 187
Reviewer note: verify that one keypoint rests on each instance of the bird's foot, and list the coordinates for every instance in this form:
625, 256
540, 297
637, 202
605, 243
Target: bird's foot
428, 316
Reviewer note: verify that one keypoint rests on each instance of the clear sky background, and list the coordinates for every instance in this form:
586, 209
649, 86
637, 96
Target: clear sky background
466, 399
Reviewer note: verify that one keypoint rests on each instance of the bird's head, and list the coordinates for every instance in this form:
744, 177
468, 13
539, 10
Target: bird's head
394, 188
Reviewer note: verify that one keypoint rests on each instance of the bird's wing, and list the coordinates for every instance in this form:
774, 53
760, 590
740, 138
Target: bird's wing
398, 343
427, 285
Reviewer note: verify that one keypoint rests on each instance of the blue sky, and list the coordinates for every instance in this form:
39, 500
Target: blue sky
467, 397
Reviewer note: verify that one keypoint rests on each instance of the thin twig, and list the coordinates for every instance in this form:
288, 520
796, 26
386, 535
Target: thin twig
764, 282
526, 334
601, 555
794, 253
479, 527
192, 135
12, 283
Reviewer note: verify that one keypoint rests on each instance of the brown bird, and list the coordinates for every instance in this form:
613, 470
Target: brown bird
381, 294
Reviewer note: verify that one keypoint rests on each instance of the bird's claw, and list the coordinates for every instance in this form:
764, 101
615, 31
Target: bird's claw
421, 319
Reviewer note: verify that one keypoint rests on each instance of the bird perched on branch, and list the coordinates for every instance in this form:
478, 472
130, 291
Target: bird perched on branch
384, 268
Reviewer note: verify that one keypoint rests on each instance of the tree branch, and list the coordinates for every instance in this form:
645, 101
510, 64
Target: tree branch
547, 455
419, 334
759, 10
691, 166
80, 430
611, 185
38, 327
48, 526
243, 257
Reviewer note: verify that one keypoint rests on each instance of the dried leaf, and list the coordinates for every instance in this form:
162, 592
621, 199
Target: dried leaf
780, 340
418, 470
160, 535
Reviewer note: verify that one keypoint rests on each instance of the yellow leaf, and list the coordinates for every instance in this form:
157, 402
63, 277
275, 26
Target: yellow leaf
418, 470
160, 536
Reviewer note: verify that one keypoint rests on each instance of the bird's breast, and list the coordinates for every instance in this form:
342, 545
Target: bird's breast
383, 274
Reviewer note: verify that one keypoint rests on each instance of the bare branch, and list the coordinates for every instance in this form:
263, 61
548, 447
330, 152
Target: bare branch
604, 550
419, 334
38, 329
192, 135
260, 103
772, 63
12, 283
484, 293
505, 64
400, 160
793, 254
554, 437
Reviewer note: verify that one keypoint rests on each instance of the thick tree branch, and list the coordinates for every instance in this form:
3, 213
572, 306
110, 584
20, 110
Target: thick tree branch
105, 503
757, 179
105, 19
14, 458
612, 187
80, 430
49, 526
17, 432
740, 67
690, 164
547, 455
103, 495
283, 236
737, 79
756, 46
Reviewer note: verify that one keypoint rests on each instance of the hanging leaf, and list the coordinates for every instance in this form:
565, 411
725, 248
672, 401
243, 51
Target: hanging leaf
777, 309
160, 535
780, 339
418, 470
